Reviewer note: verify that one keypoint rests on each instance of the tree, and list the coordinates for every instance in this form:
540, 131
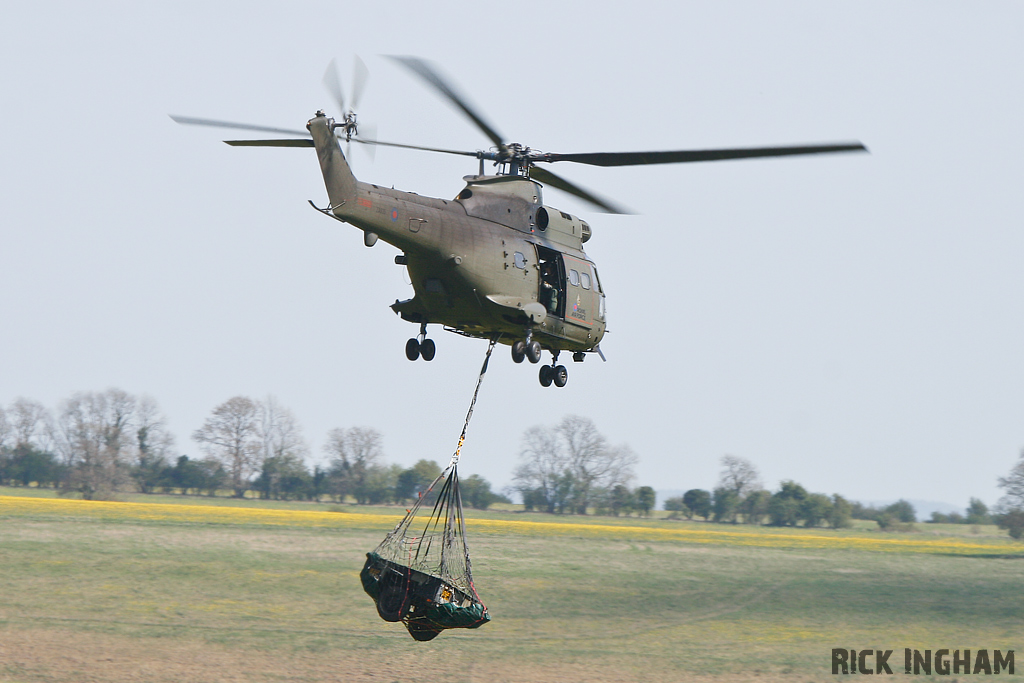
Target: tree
784, 508
1013, 484
5, 432
280, 433
541, 464
231, 435
411, 483
699, 502
977, 512
815, 509
739, 476
30, 423
187, 475
840, 514
568, 464
754, 507
284, 477
28, 464
378, 484
476, 492
725, 504
676, 504
354, 452
901, 511
620, 500
591, 461
1013, 522
153, 445
96, 439
646, 499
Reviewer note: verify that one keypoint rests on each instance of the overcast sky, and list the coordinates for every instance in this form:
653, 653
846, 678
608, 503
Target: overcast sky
853, 322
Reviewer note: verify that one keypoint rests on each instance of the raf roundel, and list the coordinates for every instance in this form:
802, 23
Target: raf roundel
394, 215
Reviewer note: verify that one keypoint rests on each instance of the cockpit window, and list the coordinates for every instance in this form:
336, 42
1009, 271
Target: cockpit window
597, 281
520, 260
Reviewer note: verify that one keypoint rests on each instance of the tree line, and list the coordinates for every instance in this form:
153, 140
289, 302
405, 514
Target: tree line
741, 498
98, 443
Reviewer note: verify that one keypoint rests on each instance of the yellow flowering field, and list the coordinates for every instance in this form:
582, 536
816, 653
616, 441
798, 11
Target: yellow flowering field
713, 535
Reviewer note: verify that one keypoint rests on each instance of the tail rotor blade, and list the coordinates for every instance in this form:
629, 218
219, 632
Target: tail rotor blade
333, 84
368, 134
359, 75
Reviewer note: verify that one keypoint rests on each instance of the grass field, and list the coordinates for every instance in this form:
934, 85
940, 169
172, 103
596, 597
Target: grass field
249, 591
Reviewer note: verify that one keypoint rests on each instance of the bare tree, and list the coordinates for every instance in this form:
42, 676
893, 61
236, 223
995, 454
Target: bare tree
567, 465
231, 435
30, 424
280, 432
542, 467
283, 453
154, 444
355, 454
592, 462
6, 431
95, 438
738, 475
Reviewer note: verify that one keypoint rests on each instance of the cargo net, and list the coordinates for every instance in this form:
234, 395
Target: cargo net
421, 573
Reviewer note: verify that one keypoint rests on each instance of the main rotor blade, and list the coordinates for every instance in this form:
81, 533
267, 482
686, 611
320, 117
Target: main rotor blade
546, 177
686, 156
189, 121
427, 73
332, 83
359, 75
270, 143
425, 149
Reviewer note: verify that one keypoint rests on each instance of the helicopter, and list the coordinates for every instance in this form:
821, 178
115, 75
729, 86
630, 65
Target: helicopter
494, 262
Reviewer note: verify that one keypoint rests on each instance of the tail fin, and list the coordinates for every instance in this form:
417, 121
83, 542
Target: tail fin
341, 184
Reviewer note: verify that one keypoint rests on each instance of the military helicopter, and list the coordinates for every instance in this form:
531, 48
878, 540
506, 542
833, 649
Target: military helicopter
494, 262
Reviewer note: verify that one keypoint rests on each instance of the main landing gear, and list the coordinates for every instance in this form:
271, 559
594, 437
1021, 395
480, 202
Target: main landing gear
553, 373
526, 349
420, 346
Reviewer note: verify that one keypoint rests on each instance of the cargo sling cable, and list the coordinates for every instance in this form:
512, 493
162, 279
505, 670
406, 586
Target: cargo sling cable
424, 579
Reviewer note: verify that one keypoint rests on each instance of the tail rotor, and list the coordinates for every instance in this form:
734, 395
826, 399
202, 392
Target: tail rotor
347, 125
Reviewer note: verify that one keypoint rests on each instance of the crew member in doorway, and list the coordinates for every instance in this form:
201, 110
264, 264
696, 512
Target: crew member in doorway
549, 286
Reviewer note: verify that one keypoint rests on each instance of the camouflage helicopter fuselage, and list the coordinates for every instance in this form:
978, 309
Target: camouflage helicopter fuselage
492, 262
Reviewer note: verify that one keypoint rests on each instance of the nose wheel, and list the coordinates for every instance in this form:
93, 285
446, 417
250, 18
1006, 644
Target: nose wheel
420, 346
527, 348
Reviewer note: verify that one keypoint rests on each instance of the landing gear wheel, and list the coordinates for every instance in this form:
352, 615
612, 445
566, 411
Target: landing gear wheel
427, 349
546, 372
412, 349
518, 351
533, 351
560, 375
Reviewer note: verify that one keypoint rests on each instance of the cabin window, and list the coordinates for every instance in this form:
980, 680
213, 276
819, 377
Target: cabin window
585, 280
574, 278
519, 259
